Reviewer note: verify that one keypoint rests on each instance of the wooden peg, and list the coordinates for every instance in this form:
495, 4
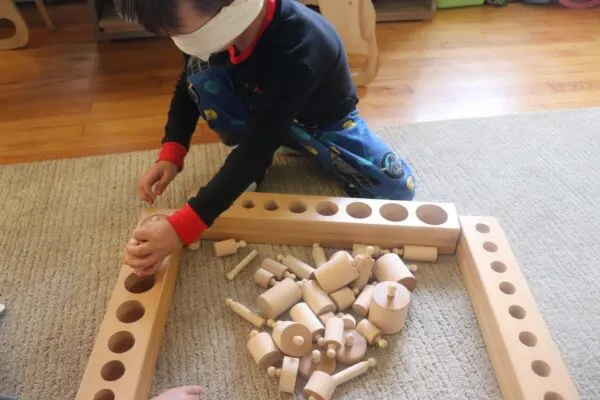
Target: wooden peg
364, 264
389, 307
321, 386
390, 267
292, 338
357, 249
263, 349
343, 298
318, 301
336, 273
279, 298
302, 313
287, 374
354, 348
236, 270
371, 333
264, 278
324, 317
301, 269
318, 255
349, 320
334, 335
246, 313
2, 308
276, 268
363, 301
227, 247
316, 361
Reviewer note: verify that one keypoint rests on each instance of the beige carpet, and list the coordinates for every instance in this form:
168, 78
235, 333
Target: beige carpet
63, 225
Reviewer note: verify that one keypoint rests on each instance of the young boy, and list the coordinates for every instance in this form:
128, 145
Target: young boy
263, 74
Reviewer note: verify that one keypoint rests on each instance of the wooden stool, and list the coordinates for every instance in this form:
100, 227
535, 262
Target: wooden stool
21, 37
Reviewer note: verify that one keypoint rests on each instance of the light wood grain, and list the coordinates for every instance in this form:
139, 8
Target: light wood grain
65, 95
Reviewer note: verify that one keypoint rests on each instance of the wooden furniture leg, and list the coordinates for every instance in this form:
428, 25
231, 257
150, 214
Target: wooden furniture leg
21, 37
41, 6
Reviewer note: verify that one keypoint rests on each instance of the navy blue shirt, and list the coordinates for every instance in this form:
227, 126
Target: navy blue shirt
300, 68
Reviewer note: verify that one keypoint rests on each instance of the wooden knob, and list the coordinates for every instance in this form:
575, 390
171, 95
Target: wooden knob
391, 292
298, 340
316, 356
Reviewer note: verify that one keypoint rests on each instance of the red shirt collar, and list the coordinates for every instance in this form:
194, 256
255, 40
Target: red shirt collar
238, 58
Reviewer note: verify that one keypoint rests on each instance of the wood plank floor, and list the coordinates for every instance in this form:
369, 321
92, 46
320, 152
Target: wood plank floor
68, 96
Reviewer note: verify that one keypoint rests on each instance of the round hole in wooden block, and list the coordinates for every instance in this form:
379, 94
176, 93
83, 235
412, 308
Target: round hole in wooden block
326, 208
130, 311
393, 212
121, 342
271, 205
552, 396
139, 284
541, 368
507, 287
517, 312
528, 339
490, 246
359, 210
112, 370
105, 394
297, 207
498, 266
482, 228
432, 214
248, 204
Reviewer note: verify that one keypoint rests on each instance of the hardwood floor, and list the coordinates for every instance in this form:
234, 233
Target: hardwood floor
66, 95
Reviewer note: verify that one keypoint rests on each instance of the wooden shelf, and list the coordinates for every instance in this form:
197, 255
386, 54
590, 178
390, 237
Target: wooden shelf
404, 10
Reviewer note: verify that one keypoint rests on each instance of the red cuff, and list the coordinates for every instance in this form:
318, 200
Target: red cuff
187, 224
172, 152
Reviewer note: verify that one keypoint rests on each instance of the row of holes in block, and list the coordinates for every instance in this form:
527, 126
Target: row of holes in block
430, 214
529, 339
123, 341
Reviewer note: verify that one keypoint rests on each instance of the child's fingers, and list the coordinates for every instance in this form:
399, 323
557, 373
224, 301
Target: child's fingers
194, 389
139, 250
141, 263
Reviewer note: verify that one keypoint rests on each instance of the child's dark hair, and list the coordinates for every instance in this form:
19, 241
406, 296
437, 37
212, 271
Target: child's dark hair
160, 16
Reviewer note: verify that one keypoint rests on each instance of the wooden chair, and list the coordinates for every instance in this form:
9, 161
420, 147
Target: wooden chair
21, 37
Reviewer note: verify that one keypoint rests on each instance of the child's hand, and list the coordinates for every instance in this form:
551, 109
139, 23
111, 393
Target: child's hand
181, 393
151, 243
159, 174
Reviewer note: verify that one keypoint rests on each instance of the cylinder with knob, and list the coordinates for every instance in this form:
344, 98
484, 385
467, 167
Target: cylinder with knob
389, 307
263, 349
363, 301
318, 255
227, 247
336, 273
292, 338
301, 269
318, 301
302, 314
287, 374
276, 268
279, 298
334, 335
371, 333
321, 386
264, 278
390, 267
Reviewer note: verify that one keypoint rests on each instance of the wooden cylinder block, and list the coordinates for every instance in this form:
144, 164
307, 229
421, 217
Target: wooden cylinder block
302, 314
371, 333
320, 386
343, 298
334, 335
287, 374
390, 267
292, 338
263, 349
318, 255
349, 321
301, 269
227, 247
354, 348
420, 253
389, 307
324, 317
276, 268
336, 273
278, 299
316, 361
364, 264
316, 298
363, 301
264, 278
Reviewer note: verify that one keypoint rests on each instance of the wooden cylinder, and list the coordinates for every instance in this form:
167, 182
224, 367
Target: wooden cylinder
278, 299
354, 371
334, 335
287, 374
316, 361
324, 317
246, 313
227, 247
318, 301
336, 273
302, 314
343, 298
292, 338
263, 349
320, 386
318, 255
364, 264
420, 253
301, 269
363, 301
354, 348
389, 307
349, 321
276, 268
390, 267
264, 278
371, 333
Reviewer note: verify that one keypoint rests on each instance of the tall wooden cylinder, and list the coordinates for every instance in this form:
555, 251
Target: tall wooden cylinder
390, 267
336, 273
389, 307
279, 298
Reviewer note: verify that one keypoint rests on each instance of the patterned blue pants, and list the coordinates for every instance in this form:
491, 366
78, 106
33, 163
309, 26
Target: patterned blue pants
364, 164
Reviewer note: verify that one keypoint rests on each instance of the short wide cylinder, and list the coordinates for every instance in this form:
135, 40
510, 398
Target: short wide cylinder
320, 386
389, 307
